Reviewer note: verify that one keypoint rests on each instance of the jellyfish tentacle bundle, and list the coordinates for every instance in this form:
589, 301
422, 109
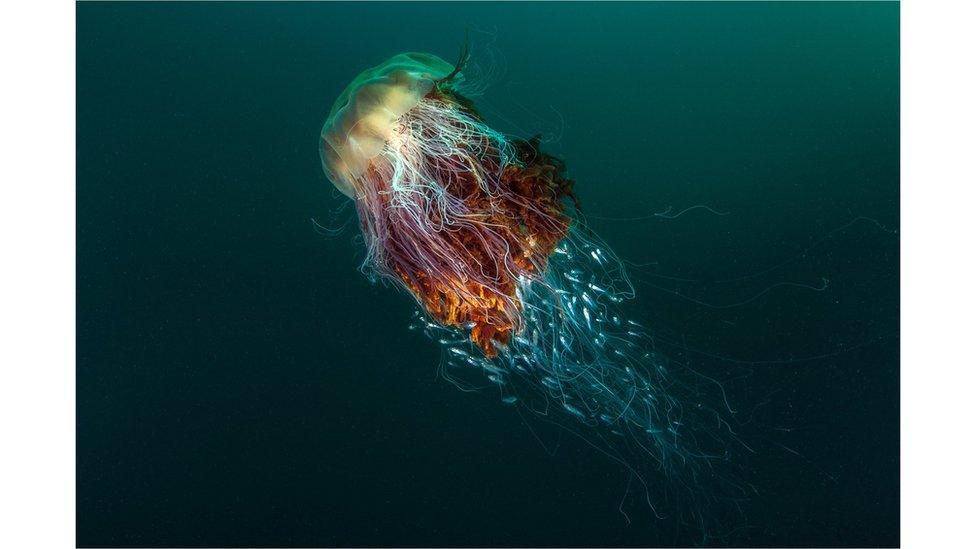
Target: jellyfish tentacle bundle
479, 228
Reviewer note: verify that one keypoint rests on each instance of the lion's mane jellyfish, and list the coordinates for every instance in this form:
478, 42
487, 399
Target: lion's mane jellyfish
483, 230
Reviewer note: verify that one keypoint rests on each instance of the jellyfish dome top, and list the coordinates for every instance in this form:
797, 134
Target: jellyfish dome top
482, 230
363, 117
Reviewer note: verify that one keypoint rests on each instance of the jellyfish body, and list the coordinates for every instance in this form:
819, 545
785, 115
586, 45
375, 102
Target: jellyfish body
480, 229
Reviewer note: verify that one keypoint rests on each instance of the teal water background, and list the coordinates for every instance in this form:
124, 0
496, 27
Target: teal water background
240, 383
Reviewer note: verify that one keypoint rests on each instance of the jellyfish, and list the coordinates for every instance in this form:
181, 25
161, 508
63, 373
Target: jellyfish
485, 232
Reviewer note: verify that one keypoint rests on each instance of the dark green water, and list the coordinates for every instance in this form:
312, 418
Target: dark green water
240, 383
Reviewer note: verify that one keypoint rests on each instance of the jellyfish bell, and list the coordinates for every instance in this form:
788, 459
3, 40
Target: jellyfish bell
361, 120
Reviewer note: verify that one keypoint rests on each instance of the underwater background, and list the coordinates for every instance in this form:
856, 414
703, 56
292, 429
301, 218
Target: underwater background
239, 382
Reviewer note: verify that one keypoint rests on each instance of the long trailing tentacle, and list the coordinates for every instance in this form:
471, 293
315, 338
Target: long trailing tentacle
475, 226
